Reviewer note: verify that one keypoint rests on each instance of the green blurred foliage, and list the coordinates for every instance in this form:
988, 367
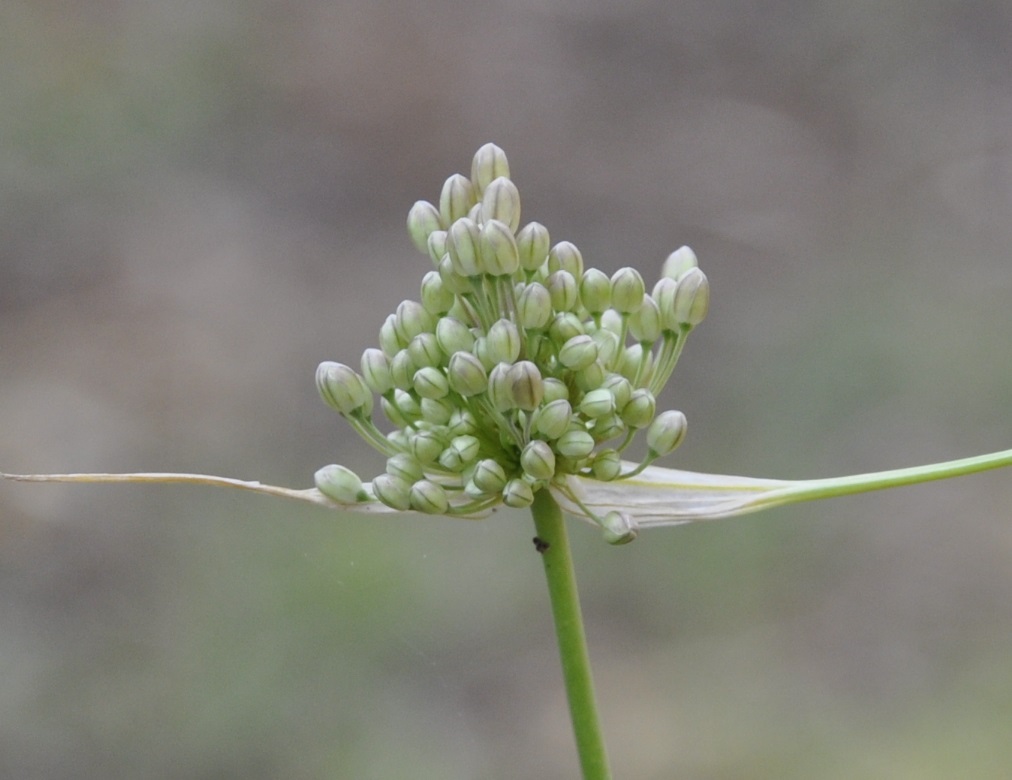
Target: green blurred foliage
204, 200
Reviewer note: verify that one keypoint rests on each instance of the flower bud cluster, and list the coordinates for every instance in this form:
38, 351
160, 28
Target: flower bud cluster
517, 365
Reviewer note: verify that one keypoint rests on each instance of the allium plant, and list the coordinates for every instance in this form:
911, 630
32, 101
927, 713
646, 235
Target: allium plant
520, 377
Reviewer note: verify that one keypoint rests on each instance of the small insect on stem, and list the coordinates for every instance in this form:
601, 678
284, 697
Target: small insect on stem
540, 544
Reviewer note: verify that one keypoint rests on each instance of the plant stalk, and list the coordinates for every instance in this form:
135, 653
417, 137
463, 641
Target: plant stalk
553, 542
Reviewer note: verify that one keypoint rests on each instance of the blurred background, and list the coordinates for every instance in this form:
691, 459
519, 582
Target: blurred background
202, 200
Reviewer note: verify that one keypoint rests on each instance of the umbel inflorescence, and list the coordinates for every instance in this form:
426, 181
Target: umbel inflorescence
517, 366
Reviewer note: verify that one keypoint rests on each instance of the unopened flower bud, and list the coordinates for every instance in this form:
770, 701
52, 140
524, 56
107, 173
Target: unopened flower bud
639, 411
488, 164
552, 419
608, 346
555, 390
430, 382
452, 335
538, 460
501, 201
428, 497
617, 528
578, 352
645, 322
564, 290
340, 484
532, 245
376, 371
392, 491
423, 219
426, 446
467, 446
590, 377
666, 432
389, 341
610, 426
678, 262
627, 290
664, 295
607, 465
436, 246
575, 444
466, 374
566, 257
461, 423
526, 386
498, 249
503, 342
463, 244
341, 388
437, 411
436, 298
634, 362
452, 281
424, 350
692, 299
456, 199
534, 306
489, 476
517, 494
500, 387
620, 388
564, 327
402, 370
597, 403
404, 466
411, 320
595, 291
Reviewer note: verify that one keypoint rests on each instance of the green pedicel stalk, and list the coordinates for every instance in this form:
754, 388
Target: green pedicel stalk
553, 543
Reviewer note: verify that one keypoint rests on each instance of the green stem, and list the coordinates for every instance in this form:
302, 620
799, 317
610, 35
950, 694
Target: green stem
551, 530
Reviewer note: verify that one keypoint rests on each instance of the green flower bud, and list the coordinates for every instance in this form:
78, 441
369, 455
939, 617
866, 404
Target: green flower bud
341, 388
610, 426
423, 219
501, 201
627, 290
639, 410
566, 257
389, 341
402, 370
645, 322
456, 199
664, 296
340, 484
481, 352
534, 307
555, 390
430, 382
692, 299
608, 345
426, 446
436, 246
411, 320
407, 405
452, 335
666, 432
466, 374
564, 327
498, 248
590, 377
467, 446
428, 497
424, 350
487, 165
578, 352
575, 444
538, 460
489, 476
500, 387
607, 465
678, 262
526, 386
552, 419
394, 415
595, 291
463, 245
620, 388
405, 467
564, 290
597, 403
617, 528
517, 494
436, 298
392, 491
376, 371
631, 359
503, 342
452, 281
532, 246
437, 411
461, 423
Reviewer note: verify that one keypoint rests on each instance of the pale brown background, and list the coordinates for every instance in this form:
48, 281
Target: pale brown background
202, 200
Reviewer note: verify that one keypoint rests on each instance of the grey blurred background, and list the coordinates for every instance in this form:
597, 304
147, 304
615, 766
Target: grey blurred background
202, 200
